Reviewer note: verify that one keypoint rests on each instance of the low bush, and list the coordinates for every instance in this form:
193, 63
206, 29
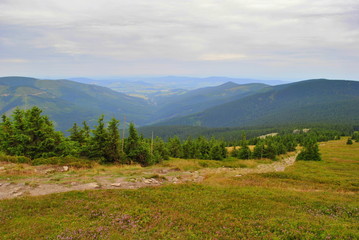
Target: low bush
68, 161
14, 159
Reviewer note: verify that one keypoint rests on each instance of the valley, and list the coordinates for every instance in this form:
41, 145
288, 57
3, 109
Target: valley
311, 102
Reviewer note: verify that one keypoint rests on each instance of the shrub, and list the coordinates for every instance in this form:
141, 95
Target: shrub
68, 161
14, 159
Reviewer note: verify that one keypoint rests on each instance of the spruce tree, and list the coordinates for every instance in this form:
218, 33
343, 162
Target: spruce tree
259, 150
175, 147
113, 148
244, 152
160, 150
98, 142
310, 151
137, 150
28, 133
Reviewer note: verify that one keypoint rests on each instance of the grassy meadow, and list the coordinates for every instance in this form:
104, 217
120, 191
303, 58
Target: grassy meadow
309, 200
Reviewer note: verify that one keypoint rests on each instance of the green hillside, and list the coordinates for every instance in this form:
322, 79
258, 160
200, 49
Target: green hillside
67, 102
200, 99
311, 101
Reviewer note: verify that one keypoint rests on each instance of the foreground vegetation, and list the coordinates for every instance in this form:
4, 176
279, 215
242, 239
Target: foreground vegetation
30, 137
310, 200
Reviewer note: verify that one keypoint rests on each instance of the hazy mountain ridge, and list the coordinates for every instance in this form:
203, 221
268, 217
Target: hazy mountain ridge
306, 101
226, 105
153, 87
200, 99
67, 102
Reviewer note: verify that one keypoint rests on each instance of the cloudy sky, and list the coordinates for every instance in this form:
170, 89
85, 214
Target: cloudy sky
268, 39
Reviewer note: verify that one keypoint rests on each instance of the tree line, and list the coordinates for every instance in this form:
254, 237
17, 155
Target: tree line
29, 133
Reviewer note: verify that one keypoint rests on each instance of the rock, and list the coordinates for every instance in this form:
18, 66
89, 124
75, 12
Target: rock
65, 168
16, 190
18, 194
116, 184
239, 175
200, 179
147, 181
2, 168
50, 170
94, 185
154, 181
175, 180
5, 184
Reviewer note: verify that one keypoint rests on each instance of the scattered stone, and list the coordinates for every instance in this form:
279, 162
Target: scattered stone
305, 130
2, 168
163, 171
174, 180
94, 185
50, 170
65, 168
239, 175
116, 184
147, 181
200, 179
1, 184
18, 194
73, 183
16, 190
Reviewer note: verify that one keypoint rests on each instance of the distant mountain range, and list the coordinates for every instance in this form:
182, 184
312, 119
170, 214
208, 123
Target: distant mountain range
67, 102
312, 101
228, 105
152, 87
201, 99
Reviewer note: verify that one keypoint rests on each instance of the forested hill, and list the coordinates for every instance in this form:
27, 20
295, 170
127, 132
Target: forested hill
311, 101
67, 102
198, 100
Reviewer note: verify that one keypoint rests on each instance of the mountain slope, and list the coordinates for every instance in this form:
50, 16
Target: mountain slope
200, 99
311, 101
67, 102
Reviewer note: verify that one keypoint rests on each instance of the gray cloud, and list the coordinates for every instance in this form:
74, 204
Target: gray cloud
246, 38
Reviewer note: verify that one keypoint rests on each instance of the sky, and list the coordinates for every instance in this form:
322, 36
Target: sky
262, 39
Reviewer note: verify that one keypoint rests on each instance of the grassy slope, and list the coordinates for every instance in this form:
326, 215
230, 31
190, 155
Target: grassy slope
310, 200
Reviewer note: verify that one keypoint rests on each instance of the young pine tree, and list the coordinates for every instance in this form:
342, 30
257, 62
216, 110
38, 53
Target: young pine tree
98, 141
310, 151
137, 150
113, 147
244, 152
175, 147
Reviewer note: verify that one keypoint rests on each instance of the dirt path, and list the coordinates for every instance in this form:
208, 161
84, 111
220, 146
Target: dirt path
279, 166
35, 186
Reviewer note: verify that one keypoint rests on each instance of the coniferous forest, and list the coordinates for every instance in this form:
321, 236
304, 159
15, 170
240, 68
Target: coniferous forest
31, 135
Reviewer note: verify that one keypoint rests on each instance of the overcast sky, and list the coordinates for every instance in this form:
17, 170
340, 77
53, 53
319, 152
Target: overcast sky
268, 39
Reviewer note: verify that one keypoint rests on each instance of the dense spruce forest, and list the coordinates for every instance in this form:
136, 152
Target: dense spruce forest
31, 137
